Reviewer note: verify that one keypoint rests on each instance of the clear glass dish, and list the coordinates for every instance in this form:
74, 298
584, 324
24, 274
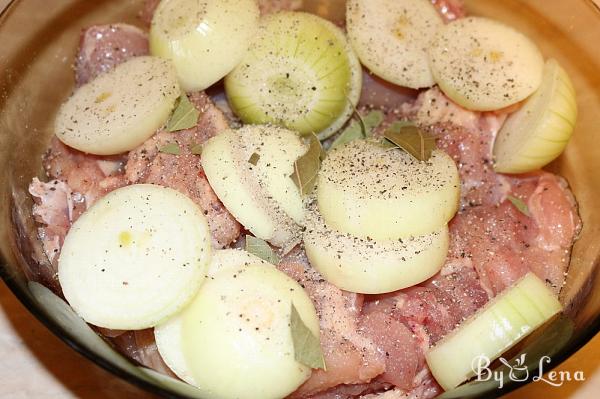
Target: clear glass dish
39, 41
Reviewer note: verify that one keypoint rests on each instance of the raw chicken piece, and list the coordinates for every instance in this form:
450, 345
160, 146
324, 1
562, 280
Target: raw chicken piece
55, 208
351, 357
437, 306
503, 244
352, 391
102, 47
54, 205
147, 11
78, 180
489, 233
140, 346
427, 388
379, 94
404, 324
184, 172
403, 355
450, 10
91, 176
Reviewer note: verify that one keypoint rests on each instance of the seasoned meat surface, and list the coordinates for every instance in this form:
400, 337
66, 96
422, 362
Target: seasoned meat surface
183, 172
102, 47
350, 355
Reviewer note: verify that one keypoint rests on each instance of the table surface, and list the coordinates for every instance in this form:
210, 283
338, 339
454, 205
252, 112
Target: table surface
36, 364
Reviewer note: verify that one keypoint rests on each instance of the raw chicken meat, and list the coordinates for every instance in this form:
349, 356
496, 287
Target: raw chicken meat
90, 175
77, 180
184, 172
492, 244
403, 355
140, 346
102, 47
351, 357
374, 345
450, 10
489, 233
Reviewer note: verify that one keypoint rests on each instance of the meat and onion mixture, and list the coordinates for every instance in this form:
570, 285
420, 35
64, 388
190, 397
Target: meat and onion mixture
264, 204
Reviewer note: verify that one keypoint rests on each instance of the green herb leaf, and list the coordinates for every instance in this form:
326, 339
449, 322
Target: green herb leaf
306, 168
519, 204
355, 130
413, 140
260, 248
171, 148
196, 149
351, 133
397, 126
185, 115
254, 158
307, 348
372, 120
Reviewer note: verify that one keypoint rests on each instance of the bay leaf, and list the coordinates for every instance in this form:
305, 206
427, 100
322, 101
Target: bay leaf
196, 149
306, 168
254, 158
307, 348
519, 204
413, 140
363, 128
397, 126
171, 148
185, 115
372, 120
261, 249
351, 133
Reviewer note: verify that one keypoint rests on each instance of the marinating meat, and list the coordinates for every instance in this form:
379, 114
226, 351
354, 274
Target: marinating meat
493, 244
102, 47
450, 9
373, 345
91, 176
54, 210
350, 355
141, 346
489, 233
77, 181
183, 172
403, 353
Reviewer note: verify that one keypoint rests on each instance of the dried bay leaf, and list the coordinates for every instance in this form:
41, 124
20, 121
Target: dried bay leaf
307, 348
371, 121
171, 148
254, 158
359, 129
196, 149
519, 204
397, 126
411, 139
306, 168
261, 249
185, 115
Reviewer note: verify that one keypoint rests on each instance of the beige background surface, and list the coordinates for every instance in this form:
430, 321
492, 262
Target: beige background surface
36, 364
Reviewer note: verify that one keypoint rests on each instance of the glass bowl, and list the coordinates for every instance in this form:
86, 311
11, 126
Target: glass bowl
38, 46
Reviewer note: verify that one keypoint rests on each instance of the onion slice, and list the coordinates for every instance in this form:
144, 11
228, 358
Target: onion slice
500, 325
